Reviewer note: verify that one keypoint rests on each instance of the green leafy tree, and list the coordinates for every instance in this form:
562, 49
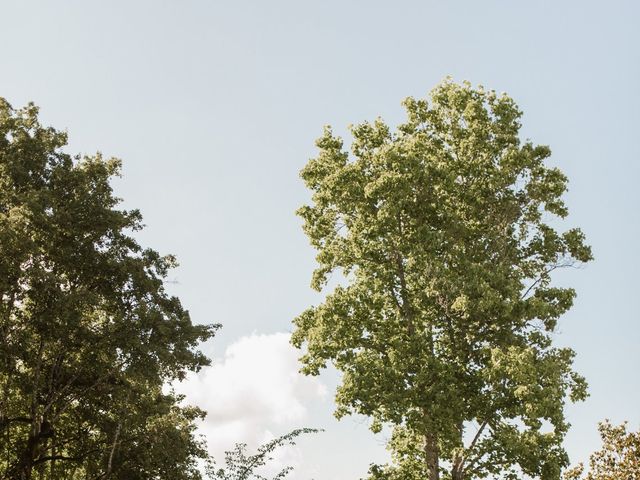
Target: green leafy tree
618, 459
88, 335
443, 324
239, 465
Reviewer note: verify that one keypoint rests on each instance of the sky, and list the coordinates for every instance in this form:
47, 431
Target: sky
214, 106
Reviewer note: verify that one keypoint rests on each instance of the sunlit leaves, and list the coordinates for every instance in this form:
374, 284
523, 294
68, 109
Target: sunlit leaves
618, 459
444, 317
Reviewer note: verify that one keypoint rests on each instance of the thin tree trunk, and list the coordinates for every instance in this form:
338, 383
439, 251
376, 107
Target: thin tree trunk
457, 467
457, 471
23, 468
432, 456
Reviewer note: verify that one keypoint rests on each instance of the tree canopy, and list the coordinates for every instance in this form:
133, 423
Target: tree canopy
618, 459
444, 234
88, 334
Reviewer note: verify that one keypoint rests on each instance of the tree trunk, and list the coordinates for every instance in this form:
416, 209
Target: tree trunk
22, 468
457, 473
457, 467
431, 455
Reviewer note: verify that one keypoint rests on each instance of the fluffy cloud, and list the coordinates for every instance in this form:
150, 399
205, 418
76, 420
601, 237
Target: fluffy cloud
254, 390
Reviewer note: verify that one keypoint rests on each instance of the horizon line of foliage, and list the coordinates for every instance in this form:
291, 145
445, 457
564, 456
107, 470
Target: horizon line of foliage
442, 327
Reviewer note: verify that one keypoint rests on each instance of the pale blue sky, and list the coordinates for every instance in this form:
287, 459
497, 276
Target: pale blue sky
214, 107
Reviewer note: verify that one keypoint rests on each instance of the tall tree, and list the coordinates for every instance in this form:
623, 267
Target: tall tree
88, 334
443, 324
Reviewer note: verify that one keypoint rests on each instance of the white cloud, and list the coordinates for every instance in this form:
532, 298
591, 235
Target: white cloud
254, 390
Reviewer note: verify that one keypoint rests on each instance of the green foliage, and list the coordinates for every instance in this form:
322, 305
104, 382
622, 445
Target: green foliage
442, 327
618, 459
241, 466
88, 335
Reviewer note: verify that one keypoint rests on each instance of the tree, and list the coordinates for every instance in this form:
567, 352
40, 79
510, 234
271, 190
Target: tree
618, 459
443, 324
88, 334
241, 466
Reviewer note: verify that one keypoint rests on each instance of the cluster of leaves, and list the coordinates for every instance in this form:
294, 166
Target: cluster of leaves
619, 458
443, 324
239, 465
88, 335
